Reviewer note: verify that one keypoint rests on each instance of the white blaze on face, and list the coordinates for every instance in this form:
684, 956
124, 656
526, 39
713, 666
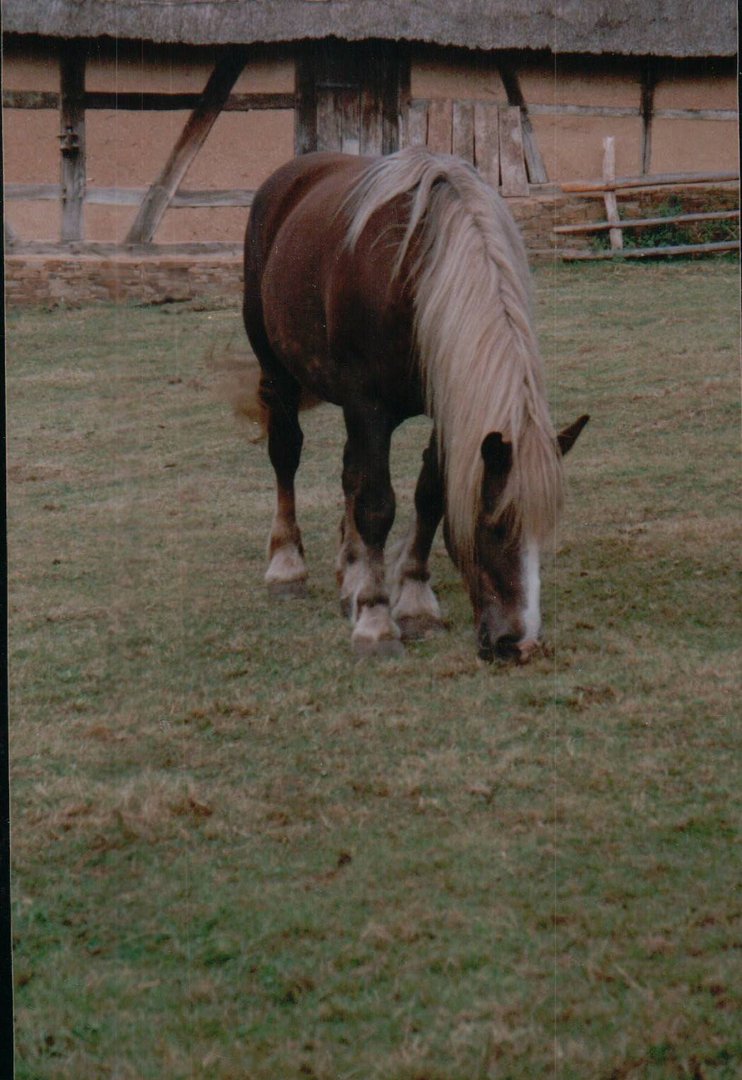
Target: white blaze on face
531, 570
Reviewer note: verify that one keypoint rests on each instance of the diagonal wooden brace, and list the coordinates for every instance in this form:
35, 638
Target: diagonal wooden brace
192, 138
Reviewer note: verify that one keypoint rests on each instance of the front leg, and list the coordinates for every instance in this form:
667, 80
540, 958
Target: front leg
415, 607
369, 500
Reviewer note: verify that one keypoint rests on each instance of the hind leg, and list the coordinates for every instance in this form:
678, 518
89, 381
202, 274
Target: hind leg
414, 604
287, 572
369, 500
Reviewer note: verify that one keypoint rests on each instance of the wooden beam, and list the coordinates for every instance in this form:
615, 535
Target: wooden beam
144, 102
107, 250
192, 138
305, 94
72, 138
393, 75
583, 110
635, 223
107, 196
592, 187
513, 177
30, 99
181, 102
648, 83
534, 162
33, 192
162, 102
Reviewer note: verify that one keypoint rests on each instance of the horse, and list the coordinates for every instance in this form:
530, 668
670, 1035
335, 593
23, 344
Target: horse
393, 287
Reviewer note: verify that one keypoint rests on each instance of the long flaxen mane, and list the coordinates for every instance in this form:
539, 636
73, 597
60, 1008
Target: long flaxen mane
475, 343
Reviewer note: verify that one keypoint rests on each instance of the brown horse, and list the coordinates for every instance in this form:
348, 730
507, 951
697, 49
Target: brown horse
392, 287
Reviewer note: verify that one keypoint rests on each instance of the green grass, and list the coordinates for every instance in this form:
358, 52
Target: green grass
240, 853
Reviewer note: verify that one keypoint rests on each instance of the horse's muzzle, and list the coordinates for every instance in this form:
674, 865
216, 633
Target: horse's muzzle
508, 648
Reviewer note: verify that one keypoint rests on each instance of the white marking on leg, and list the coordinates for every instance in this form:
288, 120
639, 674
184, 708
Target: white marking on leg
416, 599
375, 624
286, 565
354, 577
531, 571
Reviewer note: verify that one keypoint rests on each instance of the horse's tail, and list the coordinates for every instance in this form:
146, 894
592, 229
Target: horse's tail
477, 350
238, 385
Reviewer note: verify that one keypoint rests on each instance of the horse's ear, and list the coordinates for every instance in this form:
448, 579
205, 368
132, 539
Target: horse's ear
496, 453
568, 437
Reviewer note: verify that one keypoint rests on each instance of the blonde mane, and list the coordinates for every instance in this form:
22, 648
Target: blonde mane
478, 354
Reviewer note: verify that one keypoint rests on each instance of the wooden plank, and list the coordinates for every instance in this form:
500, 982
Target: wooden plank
191, 139
630, 223
589, 187
305, 93
349, 115
371, 121
72, 138
609, 197
512, 161
440, 124
487, 141
329, 126
534, 162
416, 132
404, 76
417, 124
392, 70
647, 253
462, 140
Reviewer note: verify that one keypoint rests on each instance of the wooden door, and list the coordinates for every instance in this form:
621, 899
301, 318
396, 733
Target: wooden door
350, 96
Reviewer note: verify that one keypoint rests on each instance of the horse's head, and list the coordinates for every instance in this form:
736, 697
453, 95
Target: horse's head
504, 578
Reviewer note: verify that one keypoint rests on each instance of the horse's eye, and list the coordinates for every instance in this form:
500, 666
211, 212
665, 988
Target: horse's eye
498, 533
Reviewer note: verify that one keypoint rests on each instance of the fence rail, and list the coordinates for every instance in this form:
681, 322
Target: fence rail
610, 186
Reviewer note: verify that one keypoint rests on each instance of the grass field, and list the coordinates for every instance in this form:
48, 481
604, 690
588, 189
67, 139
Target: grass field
240, 853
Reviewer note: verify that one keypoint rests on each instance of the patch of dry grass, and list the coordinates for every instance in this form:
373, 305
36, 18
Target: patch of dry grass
240, 853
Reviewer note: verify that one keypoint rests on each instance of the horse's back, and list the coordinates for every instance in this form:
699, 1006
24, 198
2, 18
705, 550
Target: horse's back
283, 191
322, 309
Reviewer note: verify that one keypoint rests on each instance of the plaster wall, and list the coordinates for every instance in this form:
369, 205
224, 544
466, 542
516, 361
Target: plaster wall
127, 149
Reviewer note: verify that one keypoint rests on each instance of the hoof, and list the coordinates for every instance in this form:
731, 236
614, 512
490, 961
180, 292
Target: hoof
419, 627
287, 590
364, 647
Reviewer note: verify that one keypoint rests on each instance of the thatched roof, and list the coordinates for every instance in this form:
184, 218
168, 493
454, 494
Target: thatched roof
629, 27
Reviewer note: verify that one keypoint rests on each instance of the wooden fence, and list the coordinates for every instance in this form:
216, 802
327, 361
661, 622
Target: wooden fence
610, 186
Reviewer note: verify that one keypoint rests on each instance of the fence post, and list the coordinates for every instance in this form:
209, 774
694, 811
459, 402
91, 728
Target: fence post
72, 138
611, 203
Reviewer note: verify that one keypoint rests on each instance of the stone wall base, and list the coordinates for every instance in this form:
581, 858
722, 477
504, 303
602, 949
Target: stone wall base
72, 280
